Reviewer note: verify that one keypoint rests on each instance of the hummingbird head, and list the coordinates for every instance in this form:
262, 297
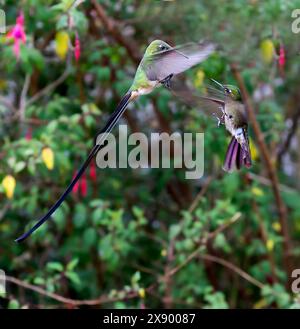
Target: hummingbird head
233, 92
157, 46
230, 91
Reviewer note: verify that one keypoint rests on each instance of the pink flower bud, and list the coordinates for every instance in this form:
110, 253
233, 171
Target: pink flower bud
93, 172
77, 48
281, 60
76, 186
28, 135
83, 186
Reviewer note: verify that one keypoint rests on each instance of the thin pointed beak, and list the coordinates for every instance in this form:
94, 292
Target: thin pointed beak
217, 83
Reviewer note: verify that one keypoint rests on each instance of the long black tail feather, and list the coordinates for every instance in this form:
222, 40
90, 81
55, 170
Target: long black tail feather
103, 134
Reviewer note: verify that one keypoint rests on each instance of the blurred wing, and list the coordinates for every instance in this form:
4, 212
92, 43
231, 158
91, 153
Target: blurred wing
214, 93
176, 60
207, 103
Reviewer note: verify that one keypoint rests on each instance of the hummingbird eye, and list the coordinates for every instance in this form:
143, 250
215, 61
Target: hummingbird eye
227, 90
162, 47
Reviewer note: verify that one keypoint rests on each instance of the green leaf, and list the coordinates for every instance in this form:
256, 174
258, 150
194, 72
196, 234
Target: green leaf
136, 277
60, 218
80, 215
72, 264
39, 280
175, 229
55, 266
138, 212
73, 277
19, 166
13, 304
89, 237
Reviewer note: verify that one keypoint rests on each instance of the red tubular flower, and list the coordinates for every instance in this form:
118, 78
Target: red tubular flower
83, 186
18, 34
28, 135
93, 172
281, 60
77, 48
76, 186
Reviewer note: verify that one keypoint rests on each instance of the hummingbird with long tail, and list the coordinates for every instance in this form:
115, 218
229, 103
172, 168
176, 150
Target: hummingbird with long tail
234, 117
157, 67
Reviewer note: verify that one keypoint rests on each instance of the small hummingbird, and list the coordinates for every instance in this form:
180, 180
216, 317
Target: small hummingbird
158, 65
233, 116
235, 119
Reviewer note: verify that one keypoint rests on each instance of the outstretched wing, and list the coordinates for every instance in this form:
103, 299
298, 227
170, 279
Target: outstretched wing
176, 60
209, 101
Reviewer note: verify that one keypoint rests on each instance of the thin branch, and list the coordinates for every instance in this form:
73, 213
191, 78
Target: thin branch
22, 103
98, 301
50, 87
199, 196
233, 268
265, 181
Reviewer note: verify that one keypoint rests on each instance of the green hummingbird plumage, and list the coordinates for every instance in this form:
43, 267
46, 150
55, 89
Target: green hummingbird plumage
159, 63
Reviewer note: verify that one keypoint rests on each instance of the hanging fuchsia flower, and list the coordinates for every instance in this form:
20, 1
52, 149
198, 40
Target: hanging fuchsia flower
28, 135
93, 174
77, 48
281, 59
18, 34
76, 186
83, 186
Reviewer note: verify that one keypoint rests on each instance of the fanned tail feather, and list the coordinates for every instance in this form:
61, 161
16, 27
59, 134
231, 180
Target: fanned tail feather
237, 156
228, 158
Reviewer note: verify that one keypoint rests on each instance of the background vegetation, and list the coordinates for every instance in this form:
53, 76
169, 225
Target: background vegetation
147, 238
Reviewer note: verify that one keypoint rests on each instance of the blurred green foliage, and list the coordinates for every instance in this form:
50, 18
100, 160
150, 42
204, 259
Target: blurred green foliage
121, 240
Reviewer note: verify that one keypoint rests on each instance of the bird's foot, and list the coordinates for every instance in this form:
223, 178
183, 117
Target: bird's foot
166, 81
223, 114
219, 120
